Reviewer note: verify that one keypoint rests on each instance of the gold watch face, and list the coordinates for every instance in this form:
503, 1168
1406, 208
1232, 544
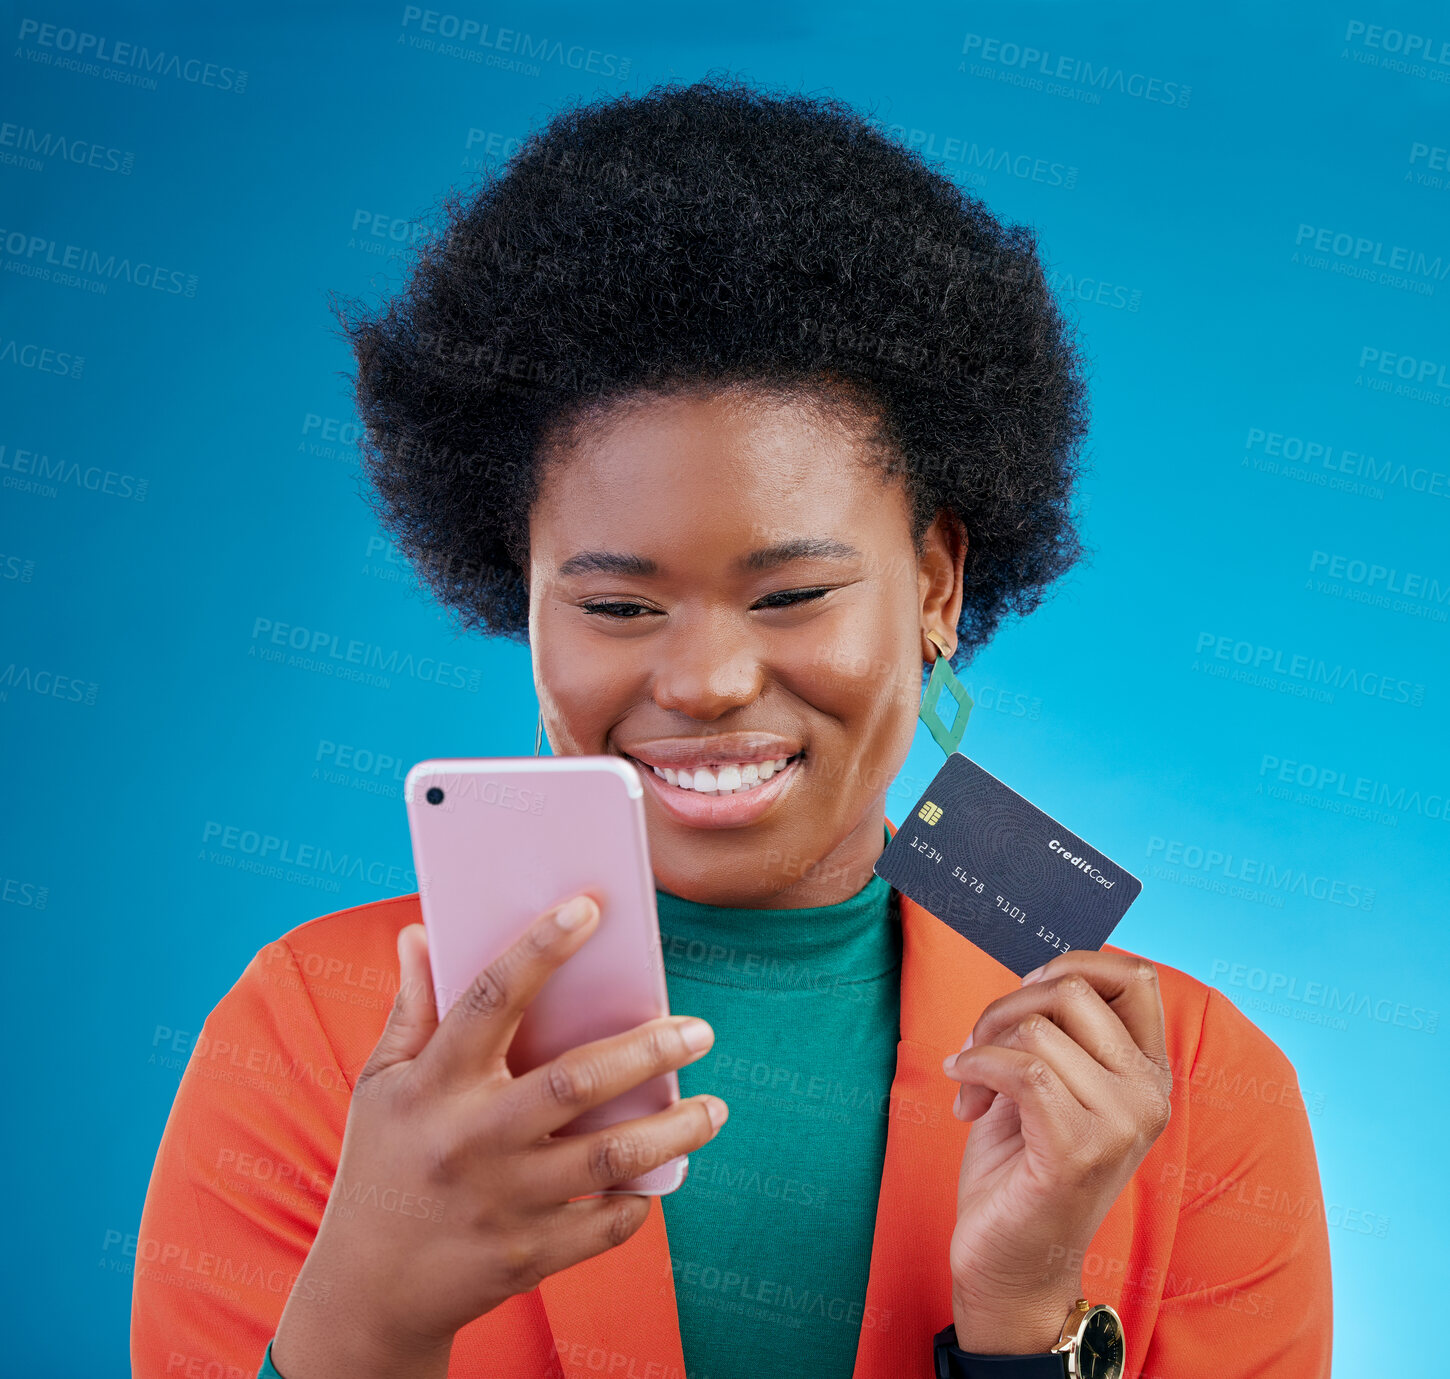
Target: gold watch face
1100, 1346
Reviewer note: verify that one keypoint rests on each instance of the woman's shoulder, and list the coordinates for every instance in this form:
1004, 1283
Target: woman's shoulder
347, 947
329, 981
1215, 1048
250, 1149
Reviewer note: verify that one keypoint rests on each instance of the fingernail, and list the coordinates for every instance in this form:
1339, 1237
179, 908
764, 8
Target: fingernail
968, 1044
1033, 975
697, 1035
946, 1063
957, 1106
718, 1110
572, 915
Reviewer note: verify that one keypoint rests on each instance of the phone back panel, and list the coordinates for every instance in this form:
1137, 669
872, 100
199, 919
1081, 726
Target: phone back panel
513, 837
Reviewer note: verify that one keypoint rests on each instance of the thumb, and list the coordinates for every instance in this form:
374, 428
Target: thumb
414, 1015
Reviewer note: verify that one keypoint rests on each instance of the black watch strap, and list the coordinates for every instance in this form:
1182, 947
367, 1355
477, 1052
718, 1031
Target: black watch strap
955, 1363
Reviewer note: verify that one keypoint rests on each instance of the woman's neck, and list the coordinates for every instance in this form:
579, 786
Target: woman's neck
797, 882
853, 939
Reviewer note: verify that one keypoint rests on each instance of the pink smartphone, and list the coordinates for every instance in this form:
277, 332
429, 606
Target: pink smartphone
499, 840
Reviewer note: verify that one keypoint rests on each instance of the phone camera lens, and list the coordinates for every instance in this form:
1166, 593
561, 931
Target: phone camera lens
435, 795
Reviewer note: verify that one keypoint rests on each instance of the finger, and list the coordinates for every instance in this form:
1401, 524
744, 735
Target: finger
1052, 1118
1129, 984
474, 1036
1073, 1004
575, 1164
548, 1097
1090, 1084
414, 1015
580, 1230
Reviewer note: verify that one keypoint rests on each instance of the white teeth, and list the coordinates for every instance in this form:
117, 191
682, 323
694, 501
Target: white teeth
730, 779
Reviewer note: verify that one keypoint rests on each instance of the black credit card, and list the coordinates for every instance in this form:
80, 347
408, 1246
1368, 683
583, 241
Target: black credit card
1002, 873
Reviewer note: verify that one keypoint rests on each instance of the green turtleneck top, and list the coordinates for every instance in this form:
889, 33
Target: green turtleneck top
770, 1236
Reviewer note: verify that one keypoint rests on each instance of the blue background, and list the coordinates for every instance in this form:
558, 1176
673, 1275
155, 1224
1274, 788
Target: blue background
139, 721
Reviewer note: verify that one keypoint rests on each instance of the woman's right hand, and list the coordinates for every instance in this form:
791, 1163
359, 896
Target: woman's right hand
450, 1197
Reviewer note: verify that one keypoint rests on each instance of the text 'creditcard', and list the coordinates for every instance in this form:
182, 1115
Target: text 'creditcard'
1002, 873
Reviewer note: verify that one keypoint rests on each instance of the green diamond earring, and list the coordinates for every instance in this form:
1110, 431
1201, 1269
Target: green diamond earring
942, 680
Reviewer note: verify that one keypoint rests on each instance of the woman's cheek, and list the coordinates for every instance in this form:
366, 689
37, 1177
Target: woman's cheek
868, 742
579, 692
865, 683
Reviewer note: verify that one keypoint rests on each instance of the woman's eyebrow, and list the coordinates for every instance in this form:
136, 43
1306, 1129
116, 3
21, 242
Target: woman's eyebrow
607, 563
797, 548
766, 558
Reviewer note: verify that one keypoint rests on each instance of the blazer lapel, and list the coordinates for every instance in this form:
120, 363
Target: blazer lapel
615, 1313
946, 983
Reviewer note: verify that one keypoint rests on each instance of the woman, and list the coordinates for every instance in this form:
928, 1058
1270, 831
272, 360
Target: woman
735, 410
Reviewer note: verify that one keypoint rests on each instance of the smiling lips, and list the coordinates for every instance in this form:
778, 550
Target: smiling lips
729, 779
720, 781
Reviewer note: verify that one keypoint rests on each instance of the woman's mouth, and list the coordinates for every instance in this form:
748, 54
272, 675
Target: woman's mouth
729, 778
724, 794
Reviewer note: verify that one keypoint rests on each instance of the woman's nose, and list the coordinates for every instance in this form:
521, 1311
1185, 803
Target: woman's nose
705, 671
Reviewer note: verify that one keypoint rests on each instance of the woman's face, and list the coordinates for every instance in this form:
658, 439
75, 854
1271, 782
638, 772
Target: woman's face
723, 580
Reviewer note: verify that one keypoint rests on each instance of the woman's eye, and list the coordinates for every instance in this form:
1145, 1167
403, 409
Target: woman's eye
616, 610
789, 597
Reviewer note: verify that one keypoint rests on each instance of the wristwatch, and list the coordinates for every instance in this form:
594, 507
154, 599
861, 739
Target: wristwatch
1090, 1346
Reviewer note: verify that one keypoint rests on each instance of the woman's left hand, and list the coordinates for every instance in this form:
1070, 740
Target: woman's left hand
1067, 1081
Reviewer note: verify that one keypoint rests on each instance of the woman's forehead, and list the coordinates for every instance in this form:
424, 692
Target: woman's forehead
767, 473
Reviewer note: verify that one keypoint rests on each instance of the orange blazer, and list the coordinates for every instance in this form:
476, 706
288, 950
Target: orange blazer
1216, 1254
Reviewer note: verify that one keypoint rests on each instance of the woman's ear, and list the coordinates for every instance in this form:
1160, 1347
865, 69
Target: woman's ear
941, 581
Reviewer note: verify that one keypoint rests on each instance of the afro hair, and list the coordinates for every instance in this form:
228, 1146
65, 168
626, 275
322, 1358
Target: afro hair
717, 235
